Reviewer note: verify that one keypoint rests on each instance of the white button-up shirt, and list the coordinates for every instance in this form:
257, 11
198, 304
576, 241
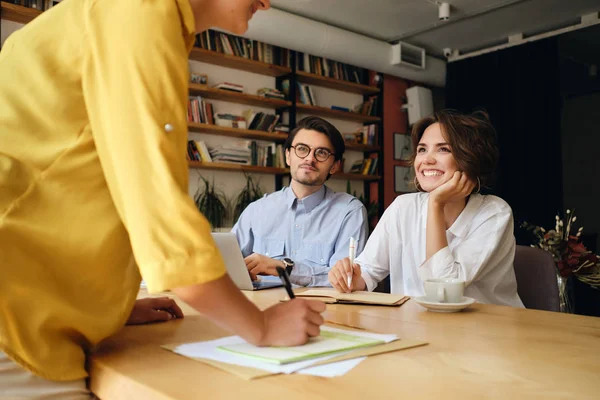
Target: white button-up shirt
481, 250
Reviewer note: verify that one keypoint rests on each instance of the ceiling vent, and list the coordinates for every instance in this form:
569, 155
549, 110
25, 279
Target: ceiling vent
408, 55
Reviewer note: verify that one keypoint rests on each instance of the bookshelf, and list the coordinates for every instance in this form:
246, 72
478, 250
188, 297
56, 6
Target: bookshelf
278, 137
268, 170
237, 168
234, 97
365, 148
329, 113
17, 13
344, 86
21, 14
224, 60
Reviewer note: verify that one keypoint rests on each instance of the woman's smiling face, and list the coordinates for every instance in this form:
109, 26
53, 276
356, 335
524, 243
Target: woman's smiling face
434, 162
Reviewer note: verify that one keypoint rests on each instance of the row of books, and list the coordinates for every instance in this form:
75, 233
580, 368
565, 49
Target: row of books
368, 166
261, 121
304, 93
367, 134
369, 107
329, 68
202, 112
254, 50
241, 47
197, 151
270, 93
242, 152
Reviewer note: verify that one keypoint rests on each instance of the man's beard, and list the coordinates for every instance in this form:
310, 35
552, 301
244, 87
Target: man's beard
316, 181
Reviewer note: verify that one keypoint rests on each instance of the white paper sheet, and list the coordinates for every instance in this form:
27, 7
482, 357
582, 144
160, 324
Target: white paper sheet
208, 350
333, 369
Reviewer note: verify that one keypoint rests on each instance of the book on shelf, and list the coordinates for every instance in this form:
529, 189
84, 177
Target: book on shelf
234, 87
200, 111
245, 48
197, 151
282, 128
356, 167
234, 153
329, 68
230, 120
366, 134
367, 166
304, 93
261, 121
338, 108
369, 107
270, 93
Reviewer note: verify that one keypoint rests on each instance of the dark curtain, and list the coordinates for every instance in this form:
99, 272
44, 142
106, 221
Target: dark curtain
519, 88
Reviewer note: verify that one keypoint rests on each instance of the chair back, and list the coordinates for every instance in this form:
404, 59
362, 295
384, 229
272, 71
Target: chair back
535, 271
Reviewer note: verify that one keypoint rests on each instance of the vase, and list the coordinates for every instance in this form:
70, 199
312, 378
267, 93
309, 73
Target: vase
565, 304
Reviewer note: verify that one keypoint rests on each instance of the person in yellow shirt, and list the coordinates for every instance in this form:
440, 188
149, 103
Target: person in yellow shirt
93, 188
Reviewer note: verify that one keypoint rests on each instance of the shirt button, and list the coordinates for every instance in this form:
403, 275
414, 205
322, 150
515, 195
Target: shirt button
321, 260
168, 128
296, 225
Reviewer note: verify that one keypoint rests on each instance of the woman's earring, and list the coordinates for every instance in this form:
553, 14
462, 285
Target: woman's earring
478, 186
416, 183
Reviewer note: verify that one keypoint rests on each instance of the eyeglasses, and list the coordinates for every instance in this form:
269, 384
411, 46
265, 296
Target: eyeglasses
321, 153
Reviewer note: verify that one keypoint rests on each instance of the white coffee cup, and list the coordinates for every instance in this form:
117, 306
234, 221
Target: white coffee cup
444, 290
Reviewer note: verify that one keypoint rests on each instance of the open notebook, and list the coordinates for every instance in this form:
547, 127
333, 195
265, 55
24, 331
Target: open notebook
366, 298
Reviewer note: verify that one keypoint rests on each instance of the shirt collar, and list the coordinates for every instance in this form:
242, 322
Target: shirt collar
189, 23
309, 202
462, 224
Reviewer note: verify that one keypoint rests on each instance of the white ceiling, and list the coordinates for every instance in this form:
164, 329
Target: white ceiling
473, 24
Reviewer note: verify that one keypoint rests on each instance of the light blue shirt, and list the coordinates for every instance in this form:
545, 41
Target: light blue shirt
314, 231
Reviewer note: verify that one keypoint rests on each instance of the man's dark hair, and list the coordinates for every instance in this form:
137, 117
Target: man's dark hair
324, 127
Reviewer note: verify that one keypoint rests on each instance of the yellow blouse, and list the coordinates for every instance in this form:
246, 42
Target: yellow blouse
93, 176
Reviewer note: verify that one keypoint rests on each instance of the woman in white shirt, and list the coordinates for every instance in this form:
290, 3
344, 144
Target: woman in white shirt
448, 229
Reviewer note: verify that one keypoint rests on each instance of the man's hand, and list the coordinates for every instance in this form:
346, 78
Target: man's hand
455, 189
338, 276
154, 309
258, 264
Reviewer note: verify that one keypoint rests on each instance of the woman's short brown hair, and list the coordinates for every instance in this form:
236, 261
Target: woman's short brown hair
472, 140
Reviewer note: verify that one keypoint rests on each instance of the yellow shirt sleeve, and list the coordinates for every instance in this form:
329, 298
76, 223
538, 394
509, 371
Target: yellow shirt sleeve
135, 82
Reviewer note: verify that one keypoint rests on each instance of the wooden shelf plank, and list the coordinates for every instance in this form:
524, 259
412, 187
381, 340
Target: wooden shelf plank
240, 98
402, 163
237, 168
355, 177
235, 132
16, 13
362, 147
327, 112
224, 60
338, 84
270, 170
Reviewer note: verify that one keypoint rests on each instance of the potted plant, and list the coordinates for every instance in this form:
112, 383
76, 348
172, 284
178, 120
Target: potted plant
212, 203
248, 194
572, 258
372, 207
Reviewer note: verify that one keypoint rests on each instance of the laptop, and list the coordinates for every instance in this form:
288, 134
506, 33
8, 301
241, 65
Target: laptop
236, 267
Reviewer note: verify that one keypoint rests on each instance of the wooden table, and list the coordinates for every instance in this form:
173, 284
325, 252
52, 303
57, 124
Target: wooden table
483, 352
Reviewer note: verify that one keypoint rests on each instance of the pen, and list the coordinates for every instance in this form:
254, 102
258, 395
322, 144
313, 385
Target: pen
351, 255
286, 282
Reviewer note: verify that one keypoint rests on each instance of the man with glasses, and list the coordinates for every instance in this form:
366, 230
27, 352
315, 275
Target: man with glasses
305, 227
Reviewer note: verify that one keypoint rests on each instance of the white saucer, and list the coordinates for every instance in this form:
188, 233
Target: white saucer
444, 307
